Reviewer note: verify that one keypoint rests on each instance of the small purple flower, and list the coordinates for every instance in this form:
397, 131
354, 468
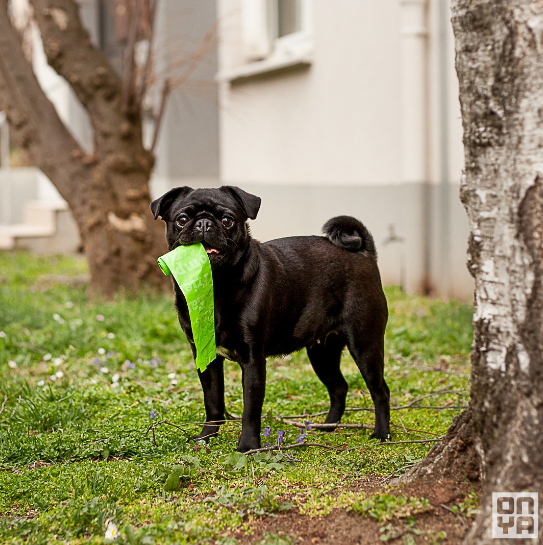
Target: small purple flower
96, 361
307, 425
152, 415
300, 438
110, 354
267, 432
129, 364
280, 435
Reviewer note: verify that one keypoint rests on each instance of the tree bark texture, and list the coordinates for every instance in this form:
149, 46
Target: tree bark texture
499, 61
108, 190
455, 458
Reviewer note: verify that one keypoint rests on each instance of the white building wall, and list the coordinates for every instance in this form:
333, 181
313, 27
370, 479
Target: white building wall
353, 129
335, 121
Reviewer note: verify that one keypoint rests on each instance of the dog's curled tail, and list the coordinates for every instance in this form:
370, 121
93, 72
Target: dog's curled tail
350, 234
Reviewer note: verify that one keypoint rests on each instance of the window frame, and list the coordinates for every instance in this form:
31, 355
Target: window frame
290, 43
263, 51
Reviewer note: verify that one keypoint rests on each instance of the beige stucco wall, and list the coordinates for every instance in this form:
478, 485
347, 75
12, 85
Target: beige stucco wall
358, 130
331, 122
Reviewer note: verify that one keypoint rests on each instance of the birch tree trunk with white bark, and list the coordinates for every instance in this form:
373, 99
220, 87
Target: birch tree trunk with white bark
499, 61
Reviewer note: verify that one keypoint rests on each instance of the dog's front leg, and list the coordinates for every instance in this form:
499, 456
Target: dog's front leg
212, 381
254, 387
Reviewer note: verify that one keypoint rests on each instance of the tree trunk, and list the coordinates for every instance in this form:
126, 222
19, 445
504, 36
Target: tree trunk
499, 61
108, 190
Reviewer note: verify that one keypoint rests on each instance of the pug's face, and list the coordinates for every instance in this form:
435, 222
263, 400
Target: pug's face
215, 217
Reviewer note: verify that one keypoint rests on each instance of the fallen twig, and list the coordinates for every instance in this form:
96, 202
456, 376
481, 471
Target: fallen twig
298, 445
3, 404
180, 427
403, 425
439, 407
186, 424
455, 514
19, 399
415, 431
410, 405
99, 441
318, 426
386, 479
342, 449
435, 369
434, 394
386, 443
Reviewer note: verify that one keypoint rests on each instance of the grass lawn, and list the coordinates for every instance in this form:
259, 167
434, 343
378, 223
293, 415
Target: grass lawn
81, 381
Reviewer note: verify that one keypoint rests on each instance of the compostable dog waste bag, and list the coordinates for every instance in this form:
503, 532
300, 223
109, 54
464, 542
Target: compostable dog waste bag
191, 269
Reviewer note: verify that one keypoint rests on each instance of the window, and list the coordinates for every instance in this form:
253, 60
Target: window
290, 26
276, 36
274, 26
289, 17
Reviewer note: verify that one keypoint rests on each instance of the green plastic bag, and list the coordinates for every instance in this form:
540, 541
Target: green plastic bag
190, 267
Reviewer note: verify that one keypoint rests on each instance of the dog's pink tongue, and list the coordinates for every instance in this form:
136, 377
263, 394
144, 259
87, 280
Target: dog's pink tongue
211, 251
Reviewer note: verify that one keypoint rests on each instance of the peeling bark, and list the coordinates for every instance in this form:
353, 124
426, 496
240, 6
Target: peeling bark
499, 46
108, 190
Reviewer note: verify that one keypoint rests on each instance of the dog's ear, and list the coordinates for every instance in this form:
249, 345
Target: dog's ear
162, 204
249, 203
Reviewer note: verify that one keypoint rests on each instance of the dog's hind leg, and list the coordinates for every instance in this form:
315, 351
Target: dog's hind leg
325, 358
370, 360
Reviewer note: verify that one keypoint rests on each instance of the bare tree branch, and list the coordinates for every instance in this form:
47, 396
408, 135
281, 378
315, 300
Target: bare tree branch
146, 73
318, 426
170, 84
128, 83
34, 122
193, 60
71, 53
166, 89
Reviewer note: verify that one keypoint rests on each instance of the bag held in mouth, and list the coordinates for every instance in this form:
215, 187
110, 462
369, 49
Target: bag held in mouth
191, 269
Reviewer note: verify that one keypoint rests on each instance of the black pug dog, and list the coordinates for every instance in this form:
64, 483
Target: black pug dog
271, 299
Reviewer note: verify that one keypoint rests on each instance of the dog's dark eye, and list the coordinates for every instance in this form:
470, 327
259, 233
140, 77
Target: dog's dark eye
227, 222
181, 221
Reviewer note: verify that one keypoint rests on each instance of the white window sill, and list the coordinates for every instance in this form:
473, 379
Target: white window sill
276, 62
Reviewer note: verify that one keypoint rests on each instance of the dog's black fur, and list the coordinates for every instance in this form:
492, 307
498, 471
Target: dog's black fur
318, 293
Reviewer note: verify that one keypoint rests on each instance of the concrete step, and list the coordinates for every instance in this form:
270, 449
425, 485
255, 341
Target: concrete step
49, 228
43, 214
11, 234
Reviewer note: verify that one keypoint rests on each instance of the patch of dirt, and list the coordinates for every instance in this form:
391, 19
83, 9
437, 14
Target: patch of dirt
344, 527
47, 281
40, 463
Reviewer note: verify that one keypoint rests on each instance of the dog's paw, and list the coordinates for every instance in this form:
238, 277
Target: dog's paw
383, 437
245, 446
